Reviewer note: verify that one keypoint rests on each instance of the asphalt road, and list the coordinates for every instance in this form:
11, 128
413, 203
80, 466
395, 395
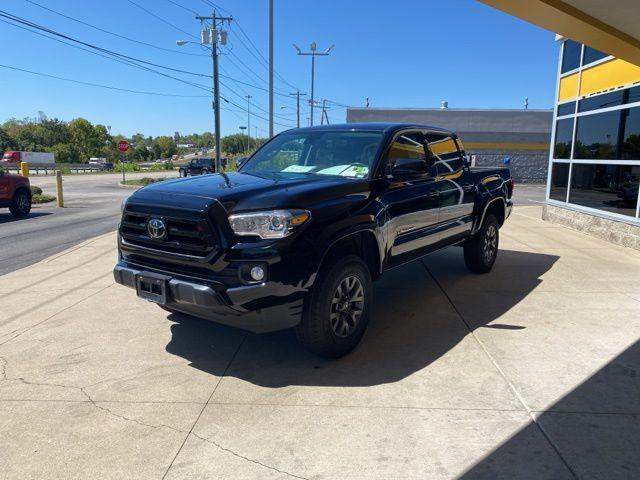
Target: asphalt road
92, 207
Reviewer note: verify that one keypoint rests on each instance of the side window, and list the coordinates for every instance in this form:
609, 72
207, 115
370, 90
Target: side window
447, 158
408, 145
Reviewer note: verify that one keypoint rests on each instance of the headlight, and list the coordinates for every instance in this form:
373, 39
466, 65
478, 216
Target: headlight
268, 224
124, 203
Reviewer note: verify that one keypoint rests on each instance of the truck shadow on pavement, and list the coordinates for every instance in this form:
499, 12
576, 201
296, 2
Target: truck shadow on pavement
413, 324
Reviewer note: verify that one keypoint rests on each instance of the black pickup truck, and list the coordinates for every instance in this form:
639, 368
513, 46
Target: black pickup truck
296, 236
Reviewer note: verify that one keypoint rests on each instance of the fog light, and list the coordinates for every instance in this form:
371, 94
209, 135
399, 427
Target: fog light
257, 273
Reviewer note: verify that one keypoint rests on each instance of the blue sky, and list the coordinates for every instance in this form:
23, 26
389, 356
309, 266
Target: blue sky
406, 53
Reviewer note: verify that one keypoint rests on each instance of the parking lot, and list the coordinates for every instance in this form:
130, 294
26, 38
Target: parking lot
529, 372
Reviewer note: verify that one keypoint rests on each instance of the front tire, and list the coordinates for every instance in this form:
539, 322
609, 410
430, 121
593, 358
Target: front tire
337, 309
481, 251
182, 173
21, 204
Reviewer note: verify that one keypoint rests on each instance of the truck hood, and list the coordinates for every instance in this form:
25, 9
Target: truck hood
252, 191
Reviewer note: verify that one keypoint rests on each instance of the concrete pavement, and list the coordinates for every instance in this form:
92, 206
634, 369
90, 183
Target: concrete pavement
92, 207
530, 371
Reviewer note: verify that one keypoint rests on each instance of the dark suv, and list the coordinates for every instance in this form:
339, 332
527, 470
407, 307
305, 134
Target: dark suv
198, 166
296, 237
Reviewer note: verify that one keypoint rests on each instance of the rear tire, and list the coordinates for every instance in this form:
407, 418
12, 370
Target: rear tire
336, 312
481, 251
204, 171
21, 204
182, 173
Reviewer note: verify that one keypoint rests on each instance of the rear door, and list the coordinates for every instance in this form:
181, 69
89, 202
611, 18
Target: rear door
411, 201
455, 184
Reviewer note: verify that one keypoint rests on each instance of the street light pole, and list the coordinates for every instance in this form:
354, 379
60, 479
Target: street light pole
313, 54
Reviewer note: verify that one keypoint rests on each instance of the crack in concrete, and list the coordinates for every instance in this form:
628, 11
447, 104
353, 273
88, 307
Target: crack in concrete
235, 454
4, 377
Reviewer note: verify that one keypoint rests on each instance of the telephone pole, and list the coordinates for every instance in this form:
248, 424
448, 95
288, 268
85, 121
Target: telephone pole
248, 97
297, 95
313, 54
270, 68
211, 35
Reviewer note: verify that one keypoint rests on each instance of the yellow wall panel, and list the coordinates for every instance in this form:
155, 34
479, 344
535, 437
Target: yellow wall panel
568, 87
613, 73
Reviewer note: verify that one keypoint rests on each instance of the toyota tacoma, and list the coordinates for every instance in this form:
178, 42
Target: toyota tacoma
296, 237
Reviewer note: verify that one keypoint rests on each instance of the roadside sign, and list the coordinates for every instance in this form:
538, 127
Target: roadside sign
123, 145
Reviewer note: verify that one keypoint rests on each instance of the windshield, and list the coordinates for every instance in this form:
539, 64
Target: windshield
347, 154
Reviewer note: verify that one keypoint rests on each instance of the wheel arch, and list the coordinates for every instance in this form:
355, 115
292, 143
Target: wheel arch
497, 206
362, 243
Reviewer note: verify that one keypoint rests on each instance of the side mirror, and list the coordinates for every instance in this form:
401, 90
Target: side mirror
241, 161
408, 166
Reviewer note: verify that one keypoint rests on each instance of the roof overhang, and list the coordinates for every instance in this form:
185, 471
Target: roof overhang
611, 27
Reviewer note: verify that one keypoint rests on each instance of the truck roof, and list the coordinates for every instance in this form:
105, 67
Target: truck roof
385, 127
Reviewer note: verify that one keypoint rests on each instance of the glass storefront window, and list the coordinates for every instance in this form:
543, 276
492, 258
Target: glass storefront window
597, 136
612, 188
566, 109
570, 55
564, 137
631, 139
602, 101
559, 182
592, 55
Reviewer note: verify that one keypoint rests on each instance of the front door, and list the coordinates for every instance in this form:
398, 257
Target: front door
411, 200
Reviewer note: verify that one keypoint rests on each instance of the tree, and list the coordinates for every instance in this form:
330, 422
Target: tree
65, 153
141, 153
89, 141
7, 142
163, 147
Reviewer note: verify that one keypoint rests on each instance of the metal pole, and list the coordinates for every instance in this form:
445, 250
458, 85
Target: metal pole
216, 93
324, 103
59, 197
270, 68
248, 125
313, 73
298, 107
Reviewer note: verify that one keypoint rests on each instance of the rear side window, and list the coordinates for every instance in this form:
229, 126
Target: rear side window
408, 145
446, 156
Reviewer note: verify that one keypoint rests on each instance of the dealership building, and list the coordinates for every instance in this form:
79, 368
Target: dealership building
594, 165
491, 137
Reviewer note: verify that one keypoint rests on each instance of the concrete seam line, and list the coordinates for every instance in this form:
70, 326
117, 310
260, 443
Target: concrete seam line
62, 295
529, 411
55, 314
191, 433
97, 257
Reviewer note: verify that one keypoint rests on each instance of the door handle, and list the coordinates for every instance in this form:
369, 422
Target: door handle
433, 195
468, 188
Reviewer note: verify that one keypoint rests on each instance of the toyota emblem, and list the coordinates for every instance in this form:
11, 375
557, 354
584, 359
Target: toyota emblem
156, 228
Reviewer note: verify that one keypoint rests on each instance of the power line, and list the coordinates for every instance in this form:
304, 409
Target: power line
183, 7
139, 42
109, 87
111, 55
162, 19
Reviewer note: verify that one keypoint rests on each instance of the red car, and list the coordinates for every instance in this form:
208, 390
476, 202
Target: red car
15, 194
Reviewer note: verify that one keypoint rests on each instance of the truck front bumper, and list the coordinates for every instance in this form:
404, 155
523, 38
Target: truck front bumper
215, 302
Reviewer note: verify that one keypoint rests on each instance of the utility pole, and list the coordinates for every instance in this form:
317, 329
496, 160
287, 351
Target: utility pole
212, 36
324, 112
270, 68
248, 97
297, 95
313, 54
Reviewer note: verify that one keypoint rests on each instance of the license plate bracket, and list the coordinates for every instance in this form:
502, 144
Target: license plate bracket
152, 287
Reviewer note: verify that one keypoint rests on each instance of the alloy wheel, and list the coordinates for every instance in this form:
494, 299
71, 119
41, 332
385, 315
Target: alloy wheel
347, 306
490, 245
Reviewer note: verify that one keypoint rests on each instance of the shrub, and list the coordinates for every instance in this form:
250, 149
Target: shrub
42, 198
35, 190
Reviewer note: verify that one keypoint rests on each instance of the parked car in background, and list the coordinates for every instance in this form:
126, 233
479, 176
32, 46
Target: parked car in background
200, 166
13, 158
296, 237
15, 193
101, 162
